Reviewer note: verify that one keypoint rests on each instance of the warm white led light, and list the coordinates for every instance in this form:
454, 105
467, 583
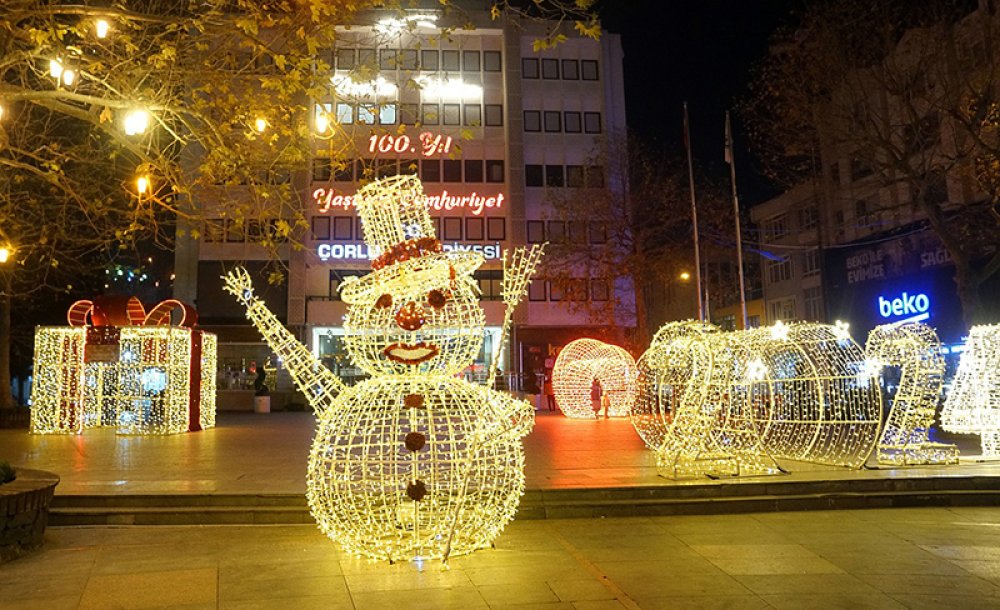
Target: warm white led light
55, 68
973, 404
101, 26
136, 122
584, 362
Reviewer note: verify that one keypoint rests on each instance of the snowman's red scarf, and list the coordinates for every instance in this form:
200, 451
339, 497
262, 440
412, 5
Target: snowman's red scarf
404, 251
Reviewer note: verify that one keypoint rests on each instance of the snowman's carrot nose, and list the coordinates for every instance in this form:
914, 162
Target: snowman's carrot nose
410, 316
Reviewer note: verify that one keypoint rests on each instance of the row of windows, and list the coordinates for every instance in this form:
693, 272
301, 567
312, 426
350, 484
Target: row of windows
241, 231
426, 60
577, 289
554, 69
490, 282
781, 271
553, 121
447, 228
574, 231
472, 115
430, 170
574, 176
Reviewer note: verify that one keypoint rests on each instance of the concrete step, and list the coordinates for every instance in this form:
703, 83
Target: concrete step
677, 499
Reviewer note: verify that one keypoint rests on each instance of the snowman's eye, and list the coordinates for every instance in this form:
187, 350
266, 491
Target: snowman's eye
436, 299
384, 301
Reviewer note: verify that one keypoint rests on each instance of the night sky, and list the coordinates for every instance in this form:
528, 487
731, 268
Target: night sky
702, 52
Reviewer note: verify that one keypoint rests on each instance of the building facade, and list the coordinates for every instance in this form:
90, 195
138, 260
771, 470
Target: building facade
495, 130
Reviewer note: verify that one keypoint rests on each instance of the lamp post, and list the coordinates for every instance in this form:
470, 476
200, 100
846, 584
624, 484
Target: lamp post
6, 397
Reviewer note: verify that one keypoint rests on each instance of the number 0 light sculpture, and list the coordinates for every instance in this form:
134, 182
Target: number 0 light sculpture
916, 349
973, 404
413, 462
582, 363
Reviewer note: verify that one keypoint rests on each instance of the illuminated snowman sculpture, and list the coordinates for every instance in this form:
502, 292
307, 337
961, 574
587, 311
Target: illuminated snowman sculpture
414, 462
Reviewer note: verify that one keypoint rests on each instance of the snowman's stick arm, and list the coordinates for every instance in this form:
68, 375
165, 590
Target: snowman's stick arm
519, 266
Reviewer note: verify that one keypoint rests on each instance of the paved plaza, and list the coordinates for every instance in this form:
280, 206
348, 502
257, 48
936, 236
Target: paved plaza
895, 558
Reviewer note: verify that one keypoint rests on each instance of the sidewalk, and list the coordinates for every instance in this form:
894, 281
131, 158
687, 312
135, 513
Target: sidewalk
895, 558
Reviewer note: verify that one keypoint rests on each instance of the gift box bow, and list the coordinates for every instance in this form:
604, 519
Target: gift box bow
128, 311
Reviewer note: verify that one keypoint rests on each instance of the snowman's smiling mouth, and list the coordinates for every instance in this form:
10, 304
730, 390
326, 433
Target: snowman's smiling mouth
407, 353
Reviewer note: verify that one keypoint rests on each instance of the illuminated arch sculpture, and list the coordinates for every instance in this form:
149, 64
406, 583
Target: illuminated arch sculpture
739, 400
973, 404
414, 462
916, 349
582, 362
116, 365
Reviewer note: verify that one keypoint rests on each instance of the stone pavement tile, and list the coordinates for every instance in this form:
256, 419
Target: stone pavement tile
752, 535
530, 592
974, 553
775, 584
332, 588
24, 586
549, 606
715, 602
69, 602
882, 560
604, 604
990, 570
709, 524
464, 598
766, 559
947, 534
553, 554
930, 584
660, 579
653, 548
151, 589
154, 557
264, 568
611, 526
47, 561
512, 574
294, 603
833, 601
407, 578
683, 560
842, 539
952, 602
580, 589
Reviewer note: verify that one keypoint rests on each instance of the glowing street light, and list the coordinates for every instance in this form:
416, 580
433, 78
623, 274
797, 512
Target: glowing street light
260, 124
136, 122
684, 276
102, 27
55, 68
142, 184
68, 76
5, 254
322, 122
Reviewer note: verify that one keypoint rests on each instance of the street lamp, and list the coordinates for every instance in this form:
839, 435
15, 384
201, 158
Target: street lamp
102, 27
5, 254
136, 122
684, 276
260, 124
142, 184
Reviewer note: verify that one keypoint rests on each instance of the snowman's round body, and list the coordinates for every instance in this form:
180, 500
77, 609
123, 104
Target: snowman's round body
418, 466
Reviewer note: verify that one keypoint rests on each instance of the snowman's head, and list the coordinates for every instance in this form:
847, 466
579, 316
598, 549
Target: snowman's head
428, 321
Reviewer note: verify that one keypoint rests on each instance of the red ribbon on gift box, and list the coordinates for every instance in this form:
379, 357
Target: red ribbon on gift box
104, 314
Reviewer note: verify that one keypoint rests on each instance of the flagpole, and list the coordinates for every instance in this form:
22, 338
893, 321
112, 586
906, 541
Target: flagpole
736, 211
694, 217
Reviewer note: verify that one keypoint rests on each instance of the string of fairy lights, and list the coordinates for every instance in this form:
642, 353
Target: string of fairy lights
973, 404
585, 362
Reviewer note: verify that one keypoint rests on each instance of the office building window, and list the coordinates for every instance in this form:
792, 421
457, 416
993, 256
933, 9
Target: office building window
813, 301
321, 227
389, 59
556, 231
494, 115
490, 284
779, 271
320, 169
473, 170
450, 61
408, 59
452, 170
470, 61
429, 60
452, 228
430, 170
555, 291
783, 309
554, 175
574, 176
553, 121
598, 232
343, 170
810, 263
571, 122
235, 231
776, 227
536, 232
431, 114
409, 114
475, 229
342, 227
600, 290
588, 69
473, 114
808, 218
346, 59
452, 114
496, 229
366, 114
215, 230
533, 175
536, 290
366, 58
570, 69
387, 114
345, 113
592, 122
550, 69
492, 61
594, 176
532, 120
494, 170
529, 67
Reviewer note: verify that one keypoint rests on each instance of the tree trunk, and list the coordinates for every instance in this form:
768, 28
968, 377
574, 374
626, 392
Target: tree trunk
6, 396
967, 285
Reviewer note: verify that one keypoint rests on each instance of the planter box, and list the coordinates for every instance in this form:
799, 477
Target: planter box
24, 511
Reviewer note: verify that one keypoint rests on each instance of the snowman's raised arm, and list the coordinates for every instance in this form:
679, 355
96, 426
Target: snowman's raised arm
319, 384
519, 265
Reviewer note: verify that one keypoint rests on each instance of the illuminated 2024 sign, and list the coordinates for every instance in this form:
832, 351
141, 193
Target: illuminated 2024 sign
477, 204
361, 252
915, 307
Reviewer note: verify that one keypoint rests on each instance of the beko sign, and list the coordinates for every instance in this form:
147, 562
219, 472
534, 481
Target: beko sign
912, 307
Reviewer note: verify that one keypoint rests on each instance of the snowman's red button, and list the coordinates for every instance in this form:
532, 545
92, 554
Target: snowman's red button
416, 490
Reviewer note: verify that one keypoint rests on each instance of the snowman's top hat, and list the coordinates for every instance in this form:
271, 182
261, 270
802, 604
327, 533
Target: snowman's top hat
397, 225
